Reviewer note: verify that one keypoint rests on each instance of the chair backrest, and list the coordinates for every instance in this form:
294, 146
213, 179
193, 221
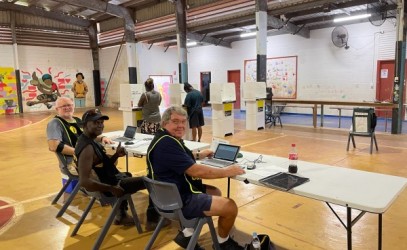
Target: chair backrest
71, 169
363, 120
166, 199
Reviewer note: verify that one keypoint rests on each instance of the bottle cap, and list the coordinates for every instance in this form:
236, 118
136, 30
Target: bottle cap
293, 145
254, 234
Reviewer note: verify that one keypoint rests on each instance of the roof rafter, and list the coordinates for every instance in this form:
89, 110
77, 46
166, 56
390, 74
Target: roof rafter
48, 14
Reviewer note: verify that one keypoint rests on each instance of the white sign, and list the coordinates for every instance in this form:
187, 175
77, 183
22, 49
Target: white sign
384, 73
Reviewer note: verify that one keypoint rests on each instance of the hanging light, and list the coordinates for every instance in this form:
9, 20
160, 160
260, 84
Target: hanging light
349, 18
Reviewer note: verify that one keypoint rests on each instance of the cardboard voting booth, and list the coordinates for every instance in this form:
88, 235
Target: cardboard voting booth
222, 97
254, 94
129, 96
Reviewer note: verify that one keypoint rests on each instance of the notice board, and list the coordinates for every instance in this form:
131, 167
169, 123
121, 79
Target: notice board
281, 75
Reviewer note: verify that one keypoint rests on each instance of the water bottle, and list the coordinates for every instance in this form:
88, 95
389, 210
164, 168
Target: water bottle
256, 242
293, 158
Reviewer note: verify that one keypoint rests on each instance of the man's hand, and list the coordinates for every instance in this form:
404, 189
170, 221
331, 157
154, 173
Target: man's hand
234, 170
117, 191
106, 140
120, 151
205, 153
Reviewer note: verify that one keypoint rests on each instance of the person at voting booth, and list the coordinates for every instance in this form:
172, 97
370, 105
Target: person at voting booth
169, 160
92, 159
193, 102
150, 102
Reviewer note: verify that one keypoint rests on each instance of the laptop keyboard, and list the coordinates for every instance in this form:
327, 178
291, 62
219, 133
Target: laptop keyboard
122, 139
217, 162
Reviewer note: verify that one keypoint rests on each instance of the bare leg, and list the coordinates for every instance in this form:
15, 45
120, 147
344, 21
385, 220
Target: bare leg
226, 209
194, 133
199, 133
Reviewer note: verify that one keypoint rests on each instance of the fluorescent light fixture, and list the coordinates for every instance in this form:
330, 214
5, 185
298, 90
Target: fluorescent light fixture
191, 43
247, 34
349, 18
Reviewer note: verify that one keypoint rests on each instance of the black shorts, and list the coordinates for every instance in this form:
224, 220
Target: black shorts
196, 205
196, 119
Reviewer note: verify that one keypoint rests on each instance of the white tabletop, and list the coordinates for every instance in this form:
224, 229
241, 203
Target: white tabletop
366, 191
142, 141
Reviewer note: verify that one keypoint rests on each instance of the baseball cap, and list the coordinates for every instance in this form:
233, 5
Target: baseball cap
46, 76
93, 115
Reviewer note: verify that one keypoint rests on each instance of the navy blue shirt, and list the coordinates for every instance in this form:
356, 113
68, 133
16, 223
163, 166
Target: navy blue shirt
168, 159
193, 101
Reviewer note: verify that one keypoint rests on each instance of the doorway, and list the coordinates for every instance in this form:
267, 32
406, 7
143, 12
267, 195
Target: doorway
206, 86
385, 84
234, 76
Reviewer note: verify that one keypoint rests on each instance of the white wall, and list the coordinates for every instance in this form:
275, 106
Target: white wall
323, 70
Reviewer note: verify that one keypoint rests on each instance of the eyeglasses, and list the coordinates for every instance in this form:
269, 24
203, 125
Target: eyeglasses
178, 122
91, 113
66, 106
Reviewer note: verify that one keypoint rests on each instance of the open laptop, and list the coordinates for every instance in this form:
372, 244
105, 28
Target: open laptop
225, 155
128, 134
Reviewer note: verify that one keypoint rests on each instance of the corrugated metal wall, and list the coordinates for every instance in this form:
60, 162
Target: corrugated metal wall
158, 10
40, 31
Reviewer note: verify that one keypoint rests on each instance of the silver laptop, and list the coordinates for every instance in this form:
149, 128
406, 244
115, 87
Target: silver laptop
128, 134
225, 155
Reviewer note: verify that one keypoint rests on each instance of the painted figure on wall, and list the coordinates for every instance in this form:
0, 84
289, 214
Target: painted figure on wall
49, 90
79, 90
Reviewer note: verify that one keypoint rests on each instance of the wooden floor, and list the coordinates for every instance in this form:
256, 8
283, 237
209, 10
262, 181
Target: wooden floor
29, 179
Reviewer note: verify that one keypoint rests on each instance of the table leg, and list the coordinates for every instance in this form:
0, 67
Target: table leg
385, 124
228, 187
127, 162
340, 115
314, 116
322, 115
380, 232
349, 226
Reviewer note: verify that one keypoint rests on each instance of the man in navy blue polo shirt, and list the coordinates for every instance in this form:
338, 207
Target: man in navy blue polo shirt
169, 160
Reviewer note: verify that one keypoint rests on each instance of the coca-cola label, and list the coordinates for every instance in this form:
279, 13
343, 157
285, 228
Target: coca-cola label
293, 156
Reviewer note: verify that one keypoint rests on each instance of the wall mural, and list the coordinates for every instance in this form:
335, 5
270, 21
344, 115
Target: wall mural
40, 88
281, 75
8, 91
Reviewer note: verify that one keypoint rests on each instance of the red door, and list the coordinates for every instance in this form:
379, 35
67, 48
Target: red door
384, 88
234, 76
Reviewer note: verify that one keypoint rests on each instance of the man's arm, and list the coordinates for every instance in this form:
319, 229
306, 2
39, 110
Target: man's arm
58, 146
207, 172
85, 163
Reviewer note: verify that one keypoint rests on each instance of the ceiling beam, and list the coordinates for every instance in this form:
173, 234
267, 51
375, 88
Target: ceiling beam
114, 10
276, 23
56, 7
207, 39
59, 16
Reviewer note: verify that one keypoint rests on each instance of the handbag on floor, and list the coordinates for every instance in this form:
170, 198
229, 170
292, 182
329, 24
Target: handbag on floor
265, 243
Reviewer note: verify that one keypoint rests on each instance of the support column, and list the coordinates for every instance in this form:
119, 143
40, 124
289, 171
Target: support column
16, 61
398, 86
95, 57
261, 39
132, 62
180, 15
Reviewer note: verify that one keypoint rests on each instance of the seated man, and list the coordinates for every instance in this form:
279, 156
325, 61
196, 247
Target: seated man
63, 132
90, 155
169, 160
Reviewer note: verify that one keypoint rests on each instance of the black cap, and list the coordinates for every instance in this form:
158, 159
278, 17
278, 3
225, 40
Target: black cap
93, 115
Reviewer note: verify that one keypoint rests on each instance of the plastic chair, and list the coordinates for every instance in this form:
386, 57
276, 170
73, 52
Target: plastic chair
273, 113
167, 201
363, 124
115, 203
71, 178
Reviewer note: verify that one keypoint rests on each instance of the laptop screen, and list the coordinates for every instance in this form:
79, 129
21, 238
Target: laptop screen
226, 152
130, 132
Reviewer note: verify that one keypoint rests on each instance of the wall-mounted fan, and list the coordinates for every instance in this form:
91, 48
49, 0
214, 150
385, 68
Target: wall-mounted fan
340, 37
378, 11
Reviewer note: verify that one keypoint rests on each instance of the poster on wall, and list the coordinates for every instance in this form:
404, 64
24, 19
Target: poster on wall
162, 85
8, 91
281, 75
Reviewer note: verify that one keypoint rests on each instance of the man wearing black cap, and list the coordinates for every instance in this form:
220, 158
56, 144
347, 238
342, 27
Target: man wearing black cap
91, 155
